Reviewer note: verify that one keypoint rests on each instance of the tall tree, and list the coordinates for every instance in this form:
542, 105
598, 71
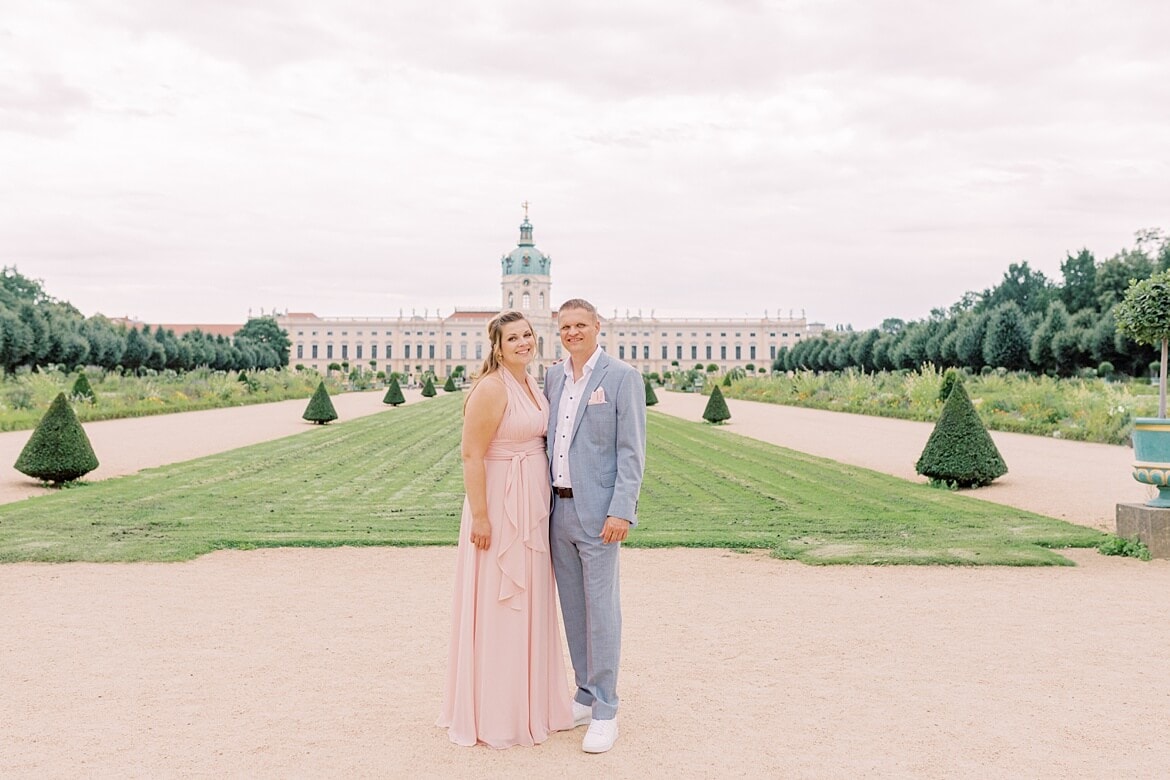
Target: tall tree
1006, 343
1030, 290
1079, 290
265, 330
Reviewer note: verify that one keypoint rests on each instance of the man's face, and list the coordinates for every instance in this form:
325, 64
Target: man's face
579, 331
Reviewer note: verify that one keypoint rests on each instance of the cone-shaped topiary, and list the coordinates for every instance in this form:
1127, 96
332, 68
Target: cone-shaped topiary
950, 377
449, 385
727, 380
58, 450
651, 398
242, 377
320, 409
716, 411
428, 390
82, 389
959, 451
394, 395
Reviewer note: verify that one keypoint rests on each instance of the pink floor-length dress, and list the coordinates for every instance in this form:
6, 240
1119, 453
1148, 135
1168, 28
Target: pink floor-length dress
506, 682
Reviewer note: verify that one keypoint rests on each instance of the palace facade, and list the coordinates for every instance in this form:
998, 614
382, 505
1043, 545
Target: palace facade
412, 344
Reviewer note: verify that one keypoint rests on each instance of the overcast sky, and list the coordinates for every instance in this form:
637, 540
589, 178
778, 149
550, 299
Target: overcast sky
183, 161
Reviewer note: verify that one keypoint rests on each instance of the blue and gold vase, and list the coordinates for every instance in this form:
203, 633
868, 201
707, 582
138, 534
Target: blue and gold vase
1151, 451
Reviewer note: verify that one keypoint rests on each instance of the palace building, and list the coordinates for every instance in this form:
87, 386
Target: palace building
411, 345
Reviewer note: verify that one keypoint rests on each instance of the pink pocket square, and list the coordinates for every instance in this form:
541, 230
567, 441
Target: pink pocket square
597, 396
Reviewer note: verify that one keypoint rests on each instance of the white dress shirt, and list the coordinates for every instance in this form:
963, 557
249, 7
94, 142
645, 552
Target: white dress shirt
566, 412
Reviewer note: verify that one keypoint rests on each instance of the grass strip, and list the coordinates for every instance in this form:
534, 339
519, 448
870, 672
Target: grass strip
394, 478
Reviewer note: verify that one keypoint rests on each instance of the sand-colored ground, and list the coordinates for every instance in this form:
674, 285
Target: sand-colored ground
328, 663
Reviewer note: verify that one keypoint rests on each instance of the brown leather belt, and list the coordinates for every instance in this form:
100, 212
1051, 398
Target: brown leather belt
563, 492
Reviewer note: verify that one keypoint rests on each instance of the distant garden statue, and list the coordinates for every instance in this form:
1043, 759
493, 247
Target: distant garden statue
716, 411
58, 450
394, 395
428, 390
320, 409
960, 452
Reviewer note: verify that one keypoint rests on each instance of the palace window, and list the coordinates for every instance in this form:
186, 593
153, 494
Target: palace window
345, 351
708, 351
448, 351
645, 351
752, 352
408, 352
313, 351
738, 355
359, 352
328, 351
665, 351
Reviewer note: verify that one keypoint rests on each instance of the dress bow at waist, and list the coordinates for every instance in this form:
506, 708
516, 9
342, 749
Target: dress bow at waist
521, 527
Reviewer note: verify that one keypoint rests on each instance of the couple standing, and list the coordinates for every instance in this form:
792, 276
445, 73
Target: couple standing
506, 676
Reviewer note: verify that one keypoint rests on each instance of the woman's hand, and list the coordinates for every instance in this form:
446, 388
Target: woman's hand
481, 533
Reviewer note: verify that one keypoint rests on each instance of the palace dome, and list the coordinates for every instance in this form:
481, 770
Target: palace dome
525, 259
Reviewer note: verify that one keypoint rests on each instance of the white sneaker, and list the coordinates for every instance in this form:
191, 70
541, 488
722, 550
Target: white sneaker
582, 714
601, 735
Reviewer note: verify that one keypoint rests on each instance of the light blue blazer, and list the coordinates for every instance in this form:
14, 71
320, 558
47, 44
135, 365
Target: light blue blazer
607, 451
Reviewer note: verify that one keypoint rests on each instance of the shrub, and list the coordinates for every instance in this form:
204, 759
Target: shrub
1129, 548
716, 411
449, 385
82, 389
428, 390
320, 409
948, 381
959, 451
651, 398
58, 450
727, 380
1105, 369
394, 395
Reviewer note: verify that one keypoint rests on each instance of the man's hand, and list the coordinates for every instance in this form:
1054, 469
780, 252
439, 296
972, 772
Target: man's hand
615, 530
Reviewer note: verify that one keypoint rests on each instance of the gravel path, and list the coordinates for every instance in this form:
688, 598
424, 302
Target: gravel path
329, 662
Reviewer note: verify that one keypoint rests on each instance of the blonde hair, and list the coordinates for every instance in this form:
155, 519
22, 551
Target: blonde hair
495, 332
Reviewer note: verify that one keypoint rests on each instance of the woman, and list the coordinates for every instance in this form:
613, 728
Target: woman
506, 682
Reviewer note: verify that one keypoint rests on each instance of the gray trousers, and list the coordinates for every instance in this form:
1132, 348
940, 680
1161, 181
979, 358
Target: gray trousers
587, 581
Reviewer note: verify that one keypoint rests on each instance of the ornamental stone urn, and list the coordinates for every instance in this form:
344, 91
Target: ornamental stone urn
1151, 452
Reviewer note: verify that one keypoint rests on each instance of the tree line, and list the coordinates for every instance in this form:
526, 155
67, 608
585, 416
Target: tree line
1025, 323
37, 329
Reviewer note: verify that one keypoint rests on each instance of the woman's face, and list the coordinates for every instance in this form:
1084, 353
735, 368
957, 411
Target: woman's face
517, 344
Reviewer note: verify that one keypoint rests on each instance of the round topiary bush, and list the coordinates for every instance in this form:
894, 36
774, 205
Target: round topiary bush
394, 395
320, 409
58, 450
716, 411
959, 451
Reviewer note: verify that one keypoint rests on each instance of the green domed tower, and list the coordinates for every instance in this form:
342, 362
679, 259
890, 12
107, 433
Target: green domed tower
526, 284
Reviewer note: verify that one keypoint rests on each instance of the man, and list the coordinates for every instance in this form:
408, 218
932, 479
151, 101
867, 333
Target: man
597, 451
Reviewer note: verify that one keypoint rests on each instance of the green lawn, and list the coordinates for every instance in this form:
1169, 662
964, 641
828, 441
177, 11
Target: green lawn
394, 479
